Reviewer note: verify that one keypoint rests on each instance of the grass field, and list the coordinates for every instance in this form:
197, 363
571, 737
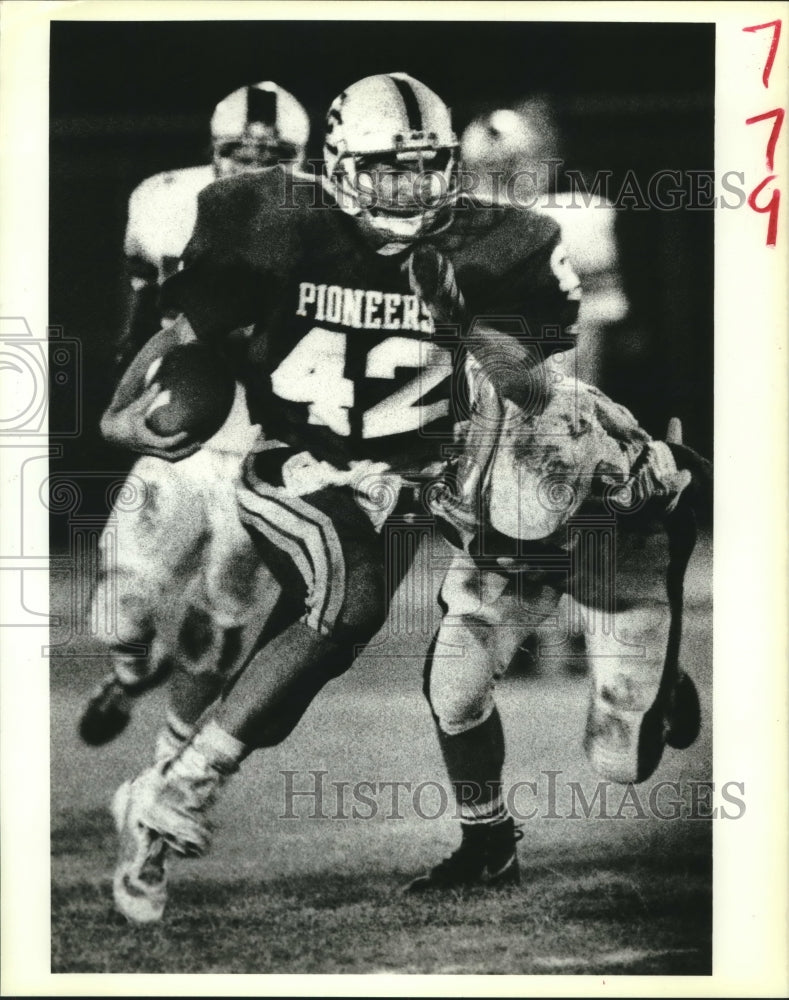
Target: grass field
628, 894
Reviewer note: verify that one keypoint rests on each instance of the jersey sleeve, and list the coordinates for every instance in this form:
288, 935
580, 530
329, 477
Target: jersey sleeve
524, 303
231, 263
536, 280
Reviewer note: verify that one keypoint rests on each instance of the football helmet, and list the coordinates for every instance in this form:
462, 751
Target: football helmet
257, 126
511, 153
390, 157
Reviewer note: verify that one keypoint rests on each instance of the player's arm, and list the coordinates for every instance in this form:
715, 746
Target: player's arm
216, 292
123, 423
217, 288
140, 310
505, 363
543, 290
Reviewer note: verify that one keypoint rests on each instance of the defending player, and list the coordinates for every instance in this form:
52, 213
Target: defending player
514, 155
180, 572
353, 388
574, 499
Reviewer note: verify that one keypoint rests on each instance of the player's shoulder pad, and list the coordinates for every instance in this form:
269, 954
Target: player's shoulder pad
170, 186
266, 190
248, 215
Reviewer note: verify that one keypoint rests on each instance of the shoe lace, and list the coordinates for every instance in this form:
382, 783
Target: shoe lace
152, 869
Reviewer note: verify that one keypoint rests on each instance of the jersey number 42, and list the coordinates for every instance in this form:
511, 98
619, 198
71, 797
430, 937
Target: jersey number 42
313, 373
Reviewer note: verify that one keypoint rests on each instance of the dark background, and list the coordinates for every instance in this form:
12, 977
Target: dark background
128, 99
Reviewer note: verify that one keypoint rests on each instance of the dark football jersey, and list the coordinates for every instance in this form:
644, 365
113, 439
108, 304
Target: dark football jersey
345, 360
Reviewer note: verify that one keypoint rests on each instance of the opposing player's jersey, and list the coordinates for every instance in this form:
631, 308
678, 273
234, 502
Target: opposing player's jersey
579, 448
162, 214
346, 361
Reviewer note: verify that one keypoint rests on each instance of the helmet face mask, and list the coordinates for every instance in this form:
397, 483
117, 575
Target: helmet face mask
257, 127
237, 156
399, 181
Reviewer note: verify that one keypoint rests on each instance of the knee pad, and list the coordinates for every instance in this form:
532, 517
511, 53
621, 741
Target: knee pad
459, 688
458, 711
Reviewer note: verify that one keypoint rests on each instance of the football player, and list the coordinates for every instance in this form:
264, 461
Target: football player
179, 570
354, 388
569, 521
574, 499
513, 155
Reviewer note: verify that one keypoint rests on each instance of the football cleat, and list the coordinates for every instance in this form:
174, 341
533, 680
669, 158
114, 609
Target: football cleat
487, 857
684, 719
139, 885
107, 713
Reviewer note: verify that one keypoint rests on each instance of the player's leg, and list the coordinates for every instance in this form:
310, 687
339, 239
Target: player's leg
207, 756
330, 562
565, 648
146, 545
641, 699
483, 622
228, 598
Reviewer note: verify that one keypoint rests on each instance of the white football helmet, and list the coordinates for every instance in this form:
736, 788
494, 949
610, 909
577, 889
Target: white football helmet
257, 126
511, 153
390, 157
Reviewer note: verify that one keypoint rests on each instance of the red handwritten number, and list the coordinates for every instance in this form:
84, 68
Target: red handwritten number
771, 208
778, 114
776, 26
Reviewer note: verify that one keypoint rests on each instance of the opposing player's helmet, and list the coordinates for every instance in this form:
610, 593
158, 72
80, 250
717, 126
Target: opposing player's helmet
390, 156
511, 152
257, 126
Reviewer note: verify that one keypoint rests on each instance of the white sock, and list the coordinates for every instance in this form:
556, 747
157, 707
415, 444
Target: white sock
221, 750
173, 737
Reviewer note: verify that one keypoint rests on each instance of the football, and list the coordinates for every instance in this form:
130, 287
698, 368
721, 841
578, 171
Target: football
197, 392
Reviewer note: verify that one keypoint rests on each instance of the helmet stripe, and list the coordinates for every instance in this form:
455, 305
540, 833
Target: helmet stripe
412, 110
261, 106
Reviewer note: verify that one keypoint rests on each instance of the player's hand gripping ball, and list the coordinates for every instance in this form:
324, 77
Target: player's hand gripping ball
197, 392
